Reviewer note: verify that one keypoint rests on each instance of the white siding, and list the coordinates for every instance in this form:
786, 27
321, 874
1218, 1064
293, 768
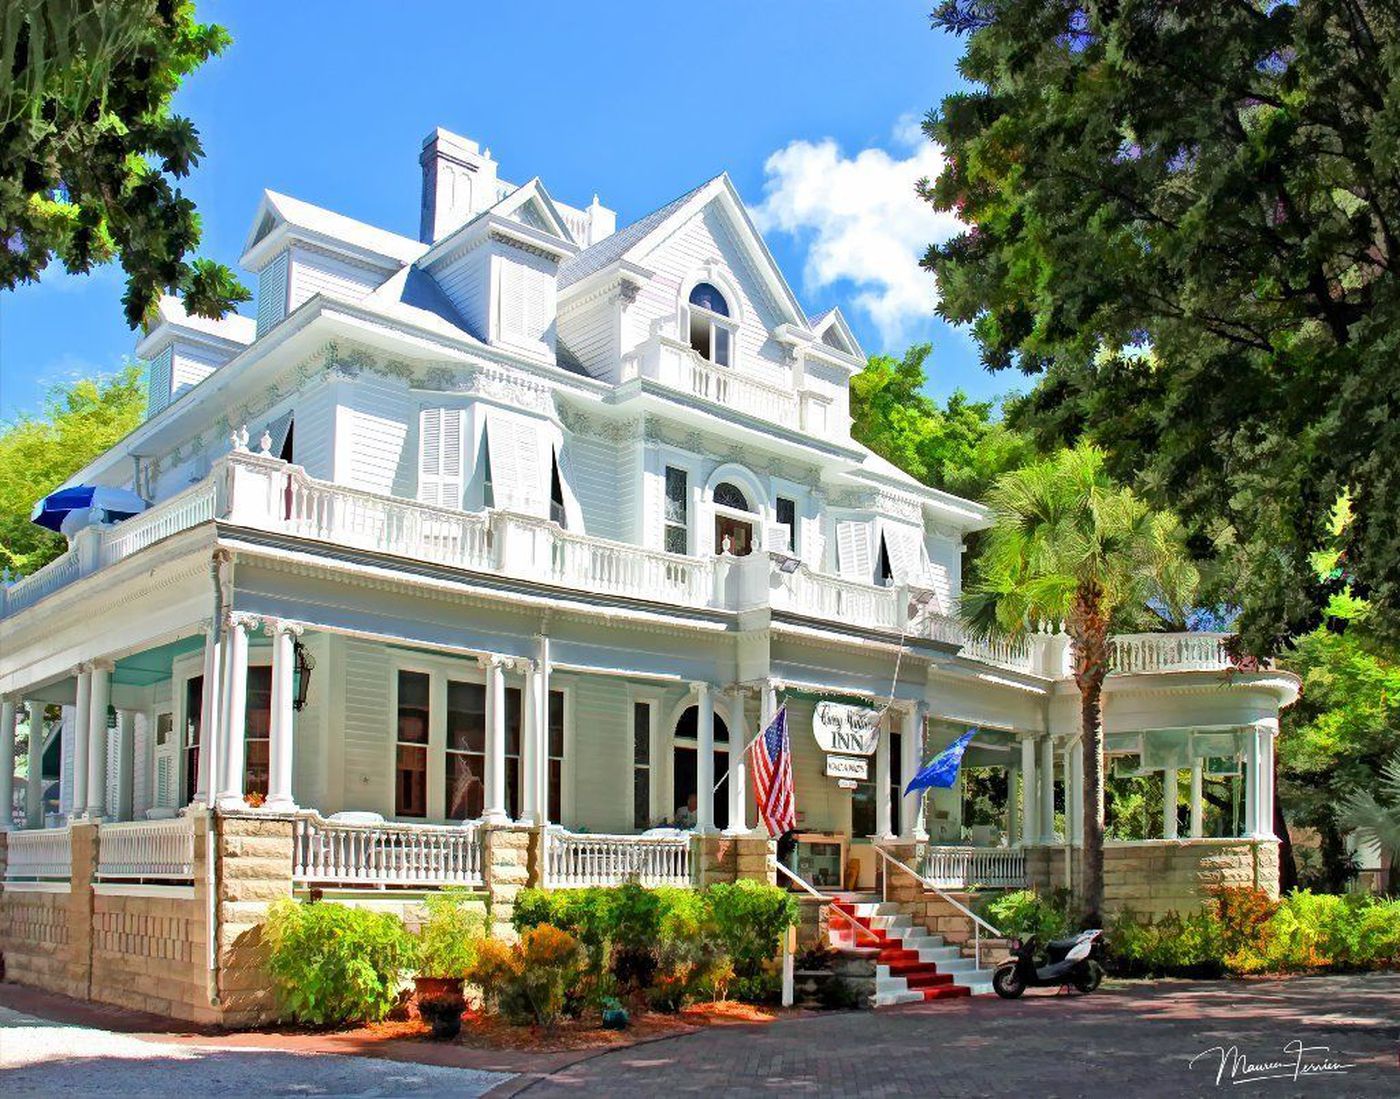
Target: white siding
143, 737
315, 430
312, 273
945, 570
372, 436
601, 765
191, 365
362, 679
467, 284
592, 334
600, 476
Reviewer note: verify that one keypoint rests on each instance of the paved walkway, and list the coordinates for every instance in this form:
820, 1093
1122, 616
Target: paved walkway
39, 1057
1129, 1040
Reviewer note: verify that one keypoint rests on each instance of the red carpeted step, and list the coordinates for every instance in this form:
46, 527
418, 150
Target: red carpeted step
931, 979
892, 956
946, 992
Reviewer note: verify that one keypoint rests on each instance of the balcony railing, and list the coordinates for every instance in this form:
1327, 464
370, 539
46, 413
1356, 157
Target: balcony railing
42, 854
264, 493
577, 860
146, 849
423, 855
1169, 652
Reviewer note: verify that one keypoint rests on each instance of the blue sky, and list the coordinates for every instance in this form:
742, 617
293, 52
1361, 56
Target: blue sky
811, 107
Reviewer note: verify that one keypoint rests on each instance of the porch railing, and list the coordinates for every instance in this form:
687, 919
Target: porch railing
425, 855
28, 590
841, 600
965, 867
147, 849
577, 860
40, 854
1002, 653
187, 509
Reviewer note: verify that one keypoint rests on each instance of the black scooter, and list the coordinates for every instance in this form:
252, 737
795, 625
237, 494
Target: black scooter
1072, 962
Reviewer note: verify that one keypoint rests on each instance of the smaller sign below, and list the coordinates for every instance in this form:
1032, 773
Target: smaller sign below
846, 783
852, 767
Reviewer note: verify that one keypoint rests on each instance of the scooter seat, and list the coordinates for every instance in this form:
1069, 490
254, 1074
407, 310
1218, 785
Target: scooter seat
1062, 944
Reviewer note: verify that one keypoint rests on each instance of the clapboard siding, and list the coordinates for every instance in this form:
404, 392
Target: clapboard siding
312, 273
601, 480
190, 366
466, 282
366, 725
591, 333
945, 562
372, 451
314, 441
601, 764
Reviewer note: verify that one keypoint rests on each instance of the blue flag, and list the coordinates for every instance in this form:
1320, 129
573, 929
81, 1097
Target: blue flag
942, 770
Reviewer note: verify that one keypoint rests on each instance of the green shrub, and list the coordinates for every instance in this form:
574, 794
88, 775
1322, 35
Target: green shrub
1025, 912
1173, 946
336, 964
452, 929
748, 918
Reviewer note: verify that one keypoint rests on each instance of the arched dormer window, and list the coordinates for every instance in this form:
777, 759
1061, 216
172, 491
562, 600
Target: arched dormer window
711, 331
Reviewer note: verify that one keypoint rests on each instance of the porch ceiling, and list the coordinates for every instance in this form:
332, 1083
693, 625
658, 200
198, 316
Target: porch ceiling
153, 665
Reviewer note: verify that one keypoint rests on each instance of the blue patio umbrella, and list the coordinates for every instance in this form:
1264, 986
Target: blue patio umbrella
118, 503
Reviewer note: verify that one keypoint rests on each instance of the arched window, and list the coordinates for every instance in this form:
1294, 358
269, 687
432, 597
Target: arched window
728, 495
711, 331
683, 764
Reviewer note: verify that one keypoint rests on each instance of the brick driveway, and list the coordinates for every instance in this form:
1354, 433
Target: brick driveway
1126, 1040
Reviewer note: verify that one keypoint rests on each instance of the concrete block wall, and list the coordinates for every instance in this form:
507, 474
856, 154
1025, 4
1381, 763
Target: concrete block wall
511, 862
254, 869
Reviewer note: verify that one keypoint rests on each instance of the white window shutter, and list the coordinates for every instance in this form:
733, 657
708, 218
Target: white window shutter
904, 546
853, 550
512, 310
440, 456
517, 466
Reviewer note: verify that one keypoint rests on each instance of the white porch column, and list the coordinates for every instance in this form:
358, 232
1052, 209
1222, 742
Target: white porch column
737, 781
1076, 798
1267, 731
533, 734
911, 825
1170, 801
211, 718
99, 700
234, 709
7, 764
1198, 808
1251, 782
126, 763
82, 709
494, 807
1013, 808
704, 758
542, 708
280, 750
1030, 815
882, 778
1047, 789
34, 802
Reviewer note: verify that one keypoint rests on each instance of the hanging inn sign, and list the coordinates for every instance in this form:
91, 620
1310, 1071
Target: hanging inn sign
848, 734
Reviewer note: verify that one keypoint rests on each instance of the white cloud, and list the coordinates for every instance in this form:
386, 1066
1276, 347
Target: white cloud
863, 222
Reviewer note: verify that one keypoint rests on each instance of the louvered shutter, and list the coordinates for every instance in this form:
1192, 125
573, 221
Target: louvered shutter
440, 433
512, 310
905, 550
518, 475
140, 761
113, 769
853, 550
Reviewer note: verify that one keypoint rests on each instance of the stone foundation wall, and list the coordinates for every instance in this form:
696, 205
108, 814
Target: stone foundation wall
721, 858
253, 869
512, 862
1153, 877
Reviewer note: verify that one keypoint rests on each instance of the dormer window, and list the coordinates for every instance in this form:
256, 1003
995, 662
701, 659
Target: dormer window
711, 330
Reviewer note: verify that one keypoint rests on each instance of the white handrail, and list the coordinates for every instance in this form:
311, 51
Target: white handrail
977, 921
828, 900
39, 853
171, 516
954, 866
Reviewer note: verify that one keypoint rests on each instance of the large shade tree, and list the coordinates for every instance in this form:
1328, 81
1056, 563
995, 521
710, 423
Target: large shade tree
1184, 220
1072, 549
90, 149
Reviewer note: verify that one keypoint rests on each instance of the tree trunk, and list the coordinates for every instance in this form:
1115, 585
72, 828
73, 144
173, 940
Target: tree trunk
1088, 629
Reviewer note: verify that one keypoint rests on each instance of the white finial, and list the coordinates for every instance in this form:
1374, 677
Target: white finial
724, 545
240, 438
265, 444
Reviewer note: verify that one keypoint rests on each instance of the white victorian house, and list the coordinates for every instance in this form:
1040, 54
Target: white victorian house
535, 519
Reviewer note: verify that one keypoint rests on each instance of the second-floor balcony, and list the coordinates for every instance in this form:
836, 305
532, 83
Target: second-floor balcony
258, 492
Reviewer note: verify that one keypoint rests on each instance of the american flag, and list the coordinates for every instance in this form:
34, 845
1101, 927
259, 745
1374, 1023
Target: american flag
772, 776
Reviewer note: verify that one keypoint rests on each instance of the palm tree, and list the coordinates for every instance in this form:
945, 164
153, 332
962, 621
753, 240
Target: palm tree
1071, 549
1379, 818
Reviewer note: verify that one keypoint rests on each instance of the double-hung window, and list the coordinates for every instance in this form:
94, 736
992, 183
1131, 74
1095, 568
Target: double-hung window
411, 748
641, 764
787, 517
677, 513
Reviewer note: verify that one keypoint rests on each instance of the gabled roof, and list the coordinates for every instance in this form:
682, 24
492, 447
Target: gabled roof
545, 229
282, 212
834, 319
611, 249
633, 242
532, 205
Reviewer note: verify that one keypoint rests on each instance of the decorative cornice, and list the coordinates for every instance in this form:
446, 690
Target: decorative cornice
657, 430
274, 626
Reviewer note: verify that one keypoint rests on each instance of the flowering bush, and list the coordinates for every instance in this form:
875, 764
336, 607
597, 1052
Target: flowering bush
528, 982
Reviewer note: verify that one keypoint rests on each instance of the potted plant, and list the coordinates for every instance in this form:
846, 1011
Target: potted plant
447, 941
442, 1012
